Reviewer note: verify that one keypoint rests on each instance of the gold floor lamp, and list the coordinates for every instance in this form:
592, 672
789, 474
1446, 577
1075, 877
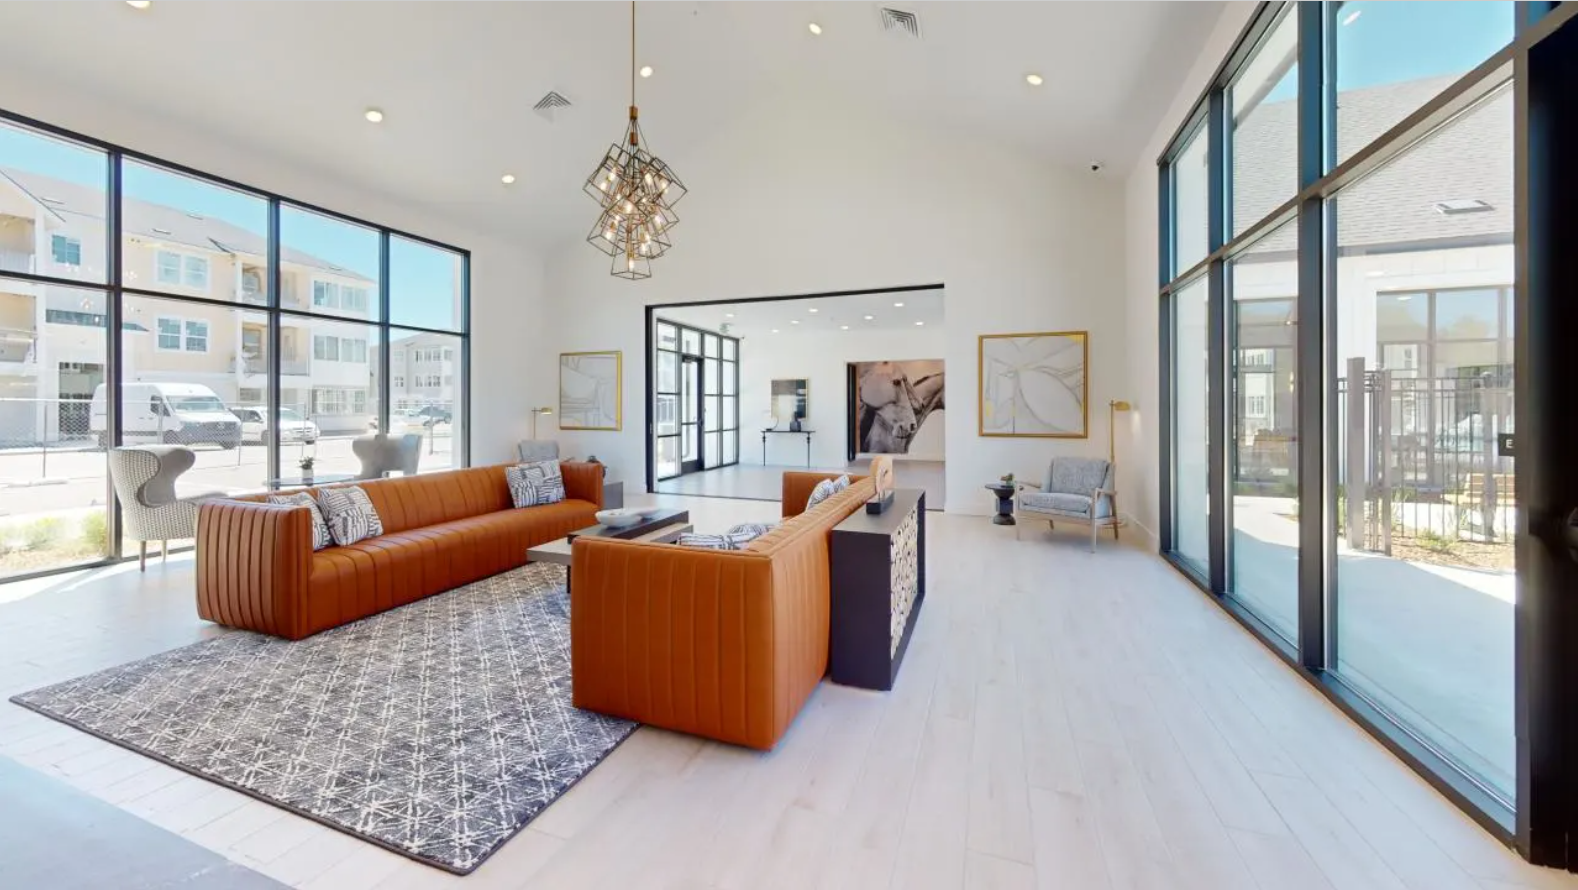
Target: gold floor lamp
1113, 407
534, 414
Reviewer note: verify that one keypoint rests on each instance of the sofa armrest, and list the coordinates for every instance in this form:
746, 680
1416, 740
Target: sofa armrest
253, 560
683, 638
583, 481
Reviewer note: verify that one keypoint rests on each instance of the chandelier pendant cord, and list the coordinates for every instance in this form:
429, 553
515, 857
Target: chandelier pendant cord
634, 137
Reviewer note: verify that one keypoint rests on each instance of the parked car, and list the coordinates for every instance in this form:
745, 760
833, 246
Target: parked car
171, 413
422, 419
292, 426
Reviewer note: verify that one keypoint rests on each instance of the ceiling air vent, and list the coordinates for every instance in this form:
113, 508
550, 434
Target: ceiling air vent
901, 23
549, 106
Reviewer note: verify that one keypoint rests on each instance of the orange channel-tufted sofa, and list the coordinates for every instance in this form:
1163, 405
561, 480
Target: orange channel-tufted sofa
726, 644
256, 568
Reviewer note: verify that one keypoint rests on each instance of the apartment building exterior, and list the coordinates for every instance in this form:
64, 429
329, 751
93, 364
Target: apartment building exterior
52, 337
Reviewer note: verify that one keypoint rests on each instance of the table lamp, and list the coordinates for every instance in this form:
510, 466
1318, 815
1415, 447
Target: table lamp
534, 413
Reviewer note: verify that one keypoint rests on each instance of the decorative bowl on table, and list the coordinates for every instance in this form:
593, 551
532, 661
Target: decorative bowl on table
623, 518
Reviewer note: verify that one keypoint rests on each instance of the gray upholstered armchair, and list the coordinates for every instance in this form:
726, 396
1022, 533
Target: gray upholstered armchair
144, 478
381, 454
1078, 490
531, 450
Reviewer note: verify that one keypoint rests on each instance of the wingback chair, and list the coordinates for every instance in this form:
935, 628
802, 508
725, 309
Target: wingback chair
144, 478
381, 453
1076, 489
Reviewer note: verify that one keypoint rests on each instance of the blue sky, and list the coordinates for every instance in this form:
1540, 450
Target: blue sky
1386, 41
421, 289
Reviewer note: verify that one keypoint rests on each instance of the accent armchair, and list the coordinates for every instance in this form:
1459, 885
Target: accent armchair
144, 478
381, 453
532, 450
1076, 489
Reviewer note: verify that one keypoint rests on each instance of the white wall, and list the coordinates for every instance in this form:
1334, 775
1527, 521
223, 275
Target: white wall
823, 359
1138, 439
511, 364
802, 197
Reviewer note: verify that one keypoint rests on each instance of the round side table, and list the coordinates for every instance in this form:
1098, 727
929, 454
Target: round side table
1005, 503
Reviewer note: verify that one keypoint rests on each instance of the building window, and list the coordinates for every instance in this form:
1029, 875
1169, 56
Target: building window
329, 295
169, 333
326, 349
196, 336
358, 401
326, 294
399, 382
180, 270
169, 267
66, 251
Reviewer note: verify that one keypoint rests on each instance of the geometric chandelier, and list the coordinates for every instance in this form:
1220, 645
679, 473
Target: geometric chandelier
636, 193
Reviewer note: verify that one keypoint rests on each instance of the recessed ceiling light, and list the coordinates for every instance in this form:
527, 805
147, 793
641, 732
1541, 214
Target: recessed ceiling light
899, 305
139, 4
815, 28
920, 324
374, 115
646, 70
843, 327
814, 309
728, 315
794, 321
507, 178
1034, 80
870, 317
775, 330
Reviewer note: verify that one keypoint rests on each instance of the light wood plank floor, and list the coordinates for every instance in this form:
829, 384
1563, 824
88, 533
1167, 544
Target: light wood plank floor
1064, 720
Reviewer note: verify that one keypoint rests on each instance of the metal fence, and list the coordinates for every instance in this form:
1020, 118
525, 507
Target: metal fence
1429, 457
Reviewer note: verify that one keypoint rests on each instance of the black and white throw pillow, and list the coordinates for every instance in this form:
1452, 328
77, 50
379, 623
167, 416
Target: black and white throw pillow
841, 483
320, 528
350, 514
754, 529
535, 484
824, 490
726, 541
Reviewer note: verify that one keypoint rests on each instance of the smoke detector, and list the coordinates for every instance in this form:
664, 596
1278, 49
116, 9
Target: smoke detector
549, 106
900, 22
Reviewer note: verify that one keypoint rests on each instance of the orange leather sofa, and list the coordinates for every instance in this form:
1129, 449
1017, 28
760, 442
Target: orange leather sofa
256, 568
726, 644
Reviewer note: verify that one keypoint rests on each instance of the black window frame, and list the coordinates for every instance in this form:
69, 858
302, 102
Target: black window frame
116, 291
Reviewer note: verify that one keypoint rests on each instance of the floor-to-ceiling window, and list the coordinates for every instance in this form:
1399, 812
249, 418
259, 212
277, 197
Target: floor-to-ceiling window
1339, 284
247, 327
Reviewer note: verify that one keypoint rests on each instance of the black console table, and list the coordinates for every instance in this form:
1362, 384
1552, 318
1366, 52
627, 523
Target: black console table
806, 433
878, 567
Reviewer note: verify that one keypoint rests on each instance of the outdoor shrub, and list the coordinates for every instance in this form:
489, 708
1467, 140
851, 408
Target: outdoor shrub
95, 532
43, 533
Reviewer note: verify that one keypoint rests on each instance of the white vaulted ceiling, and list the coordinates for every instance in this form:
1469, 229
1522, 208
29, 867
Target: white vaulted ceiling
457, 81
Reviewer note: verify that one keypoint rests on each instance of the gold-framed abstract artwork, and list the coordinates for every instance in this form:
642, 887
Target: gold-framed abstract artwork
1035, 385
590, 390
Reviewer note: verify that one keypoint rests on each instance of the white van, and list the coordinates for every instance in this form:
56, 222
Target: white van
172, 413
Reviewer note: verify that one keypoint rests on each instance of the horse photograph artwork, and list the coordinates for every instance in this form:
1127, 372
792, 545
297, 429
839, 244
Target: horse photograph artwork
892, 401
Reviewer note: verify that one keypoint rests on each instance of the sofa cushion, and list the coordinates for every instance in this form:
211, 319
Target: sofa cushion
320, 528
535, 484
350, 515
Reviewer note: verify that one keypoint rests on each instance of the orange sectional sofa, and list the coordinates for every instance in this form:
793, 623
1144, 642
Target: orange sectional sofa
717, 643
256, 568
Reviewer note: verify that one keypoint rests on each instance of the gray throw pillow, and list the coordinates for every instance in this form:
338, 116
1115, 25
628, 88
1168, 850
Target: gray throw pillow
350, 514
320, 528
534, 484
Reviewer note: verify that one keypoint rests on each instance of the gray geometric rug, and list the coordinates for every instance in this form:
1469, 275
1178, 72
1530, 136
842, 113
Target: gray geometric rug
437, 730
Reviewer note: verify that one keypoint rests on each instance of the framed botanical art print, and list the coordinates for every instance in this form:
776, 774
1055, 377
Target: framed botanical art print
1035, 385
590, 396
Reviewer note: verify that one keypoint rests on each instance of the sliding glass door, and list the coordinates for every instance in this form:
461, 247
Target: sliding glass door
695, 401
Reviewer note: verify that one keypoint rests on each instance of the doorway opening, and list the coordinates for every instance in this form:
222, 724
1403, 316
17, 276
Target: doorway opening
695, 400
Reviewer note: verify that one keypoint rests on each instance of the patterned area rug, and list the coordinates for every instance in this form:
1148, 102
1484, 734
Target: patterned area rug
437, 730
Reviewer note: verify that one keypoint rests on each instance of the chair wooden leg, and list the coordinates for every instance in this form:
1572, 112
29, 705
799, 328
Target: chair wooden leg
1115, 531
142, 556
1094, 530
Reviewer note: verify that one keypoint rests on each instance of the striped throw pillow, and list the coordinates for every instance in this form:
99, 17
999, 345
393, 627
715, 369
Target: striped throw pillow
537, 483
320, 528
350, 514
